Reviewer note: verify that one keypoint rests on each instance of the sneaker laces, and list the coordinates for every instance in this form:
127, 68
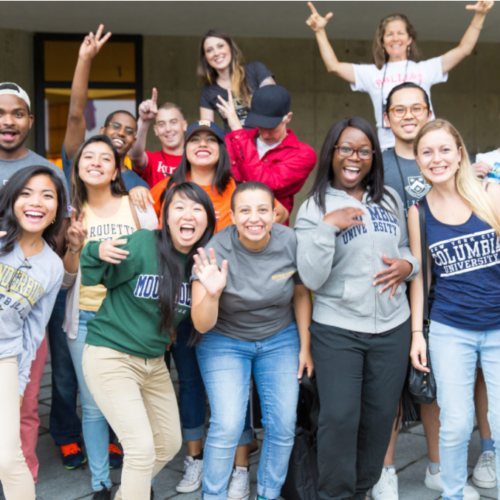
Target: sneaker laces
190, 469
486, 460
70, 449
387, 482
239, 479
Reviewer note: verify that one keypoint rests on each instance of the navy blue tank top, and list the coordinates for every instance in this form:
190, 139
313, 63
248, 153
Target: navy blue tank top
466, 261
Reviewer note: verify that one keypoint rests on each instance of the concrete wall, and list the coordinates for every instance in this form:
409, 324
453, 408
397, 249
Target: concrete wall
16, 64
470, 99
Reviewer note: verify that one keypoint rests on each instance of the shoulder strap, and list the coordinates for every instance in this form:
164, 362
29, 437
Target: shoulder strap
423, 247
134, 213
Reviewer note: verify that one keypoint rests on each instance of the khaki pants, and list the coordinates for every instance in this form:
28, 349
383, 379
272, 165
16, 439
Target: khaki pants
137, 398
15, 476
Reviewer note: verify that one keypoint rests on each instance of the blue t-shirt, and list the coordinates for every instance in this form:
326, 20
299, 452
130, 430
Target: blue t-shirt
130, 178
466, 262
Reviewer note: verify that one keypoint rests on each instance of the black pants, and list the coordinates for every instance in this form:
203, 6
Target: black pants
359, 383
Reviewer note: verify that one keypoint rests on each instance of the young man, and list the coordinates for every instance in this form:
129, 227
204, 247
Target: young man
270, 152
407, 111
15, 123
119, 126
170, 127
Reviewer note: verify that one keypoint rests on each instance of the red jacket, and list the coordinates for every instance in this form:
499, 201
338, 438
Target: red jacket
284, 168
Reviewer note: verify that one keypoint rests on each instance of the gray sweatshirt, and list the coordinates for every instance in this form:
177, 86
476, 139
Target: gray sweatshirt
339, 265
25, 309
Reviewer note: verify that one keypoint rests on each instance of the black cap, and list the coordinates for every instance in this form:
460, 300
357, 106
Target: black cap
204, 125
270, 104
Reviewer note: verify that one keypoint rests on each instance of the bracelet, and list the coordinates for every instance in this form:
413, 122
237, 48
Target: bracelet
75, 251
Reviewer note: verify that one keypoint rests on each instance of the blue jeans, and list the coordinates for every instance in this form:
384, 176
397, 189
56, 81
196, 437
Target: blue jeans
65, 425
192, 399
454, 356
95, 426
226, 365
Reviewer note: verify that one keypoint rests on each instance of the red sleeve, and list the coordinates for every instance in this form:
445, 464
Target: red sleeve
284, 170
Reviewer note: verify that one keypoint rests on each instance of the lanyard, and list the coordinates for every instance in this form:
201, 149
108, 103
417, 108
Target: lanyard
407, 205
382, 90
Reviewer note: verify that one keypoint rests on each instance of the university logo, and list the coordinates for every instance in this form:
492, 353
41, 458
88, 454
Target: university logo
206, 123
417, 187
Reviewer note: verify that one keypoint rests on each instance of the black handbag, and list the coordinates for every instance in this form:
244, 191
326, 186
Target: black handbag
422, 385
301, 482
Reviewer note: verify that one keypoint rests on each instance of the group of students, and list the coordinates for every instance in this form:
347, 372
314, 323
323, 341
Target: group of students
189, 253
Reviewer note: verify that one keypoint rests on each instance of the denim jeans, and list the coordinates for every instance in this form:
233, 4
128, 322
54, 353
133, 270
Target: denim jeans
454, 356
65, 425
192, 399
95, 426
226, 366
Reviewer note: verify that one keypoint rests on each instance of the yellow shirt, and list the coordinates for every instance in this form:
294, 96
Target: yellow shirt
98, 229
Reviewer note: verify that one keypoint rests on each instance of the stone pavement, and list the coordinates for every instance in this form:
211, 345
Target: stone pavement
56, 483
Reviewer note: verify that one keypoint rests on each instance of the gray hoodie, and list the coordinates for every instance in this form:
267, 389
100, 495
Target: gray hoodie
339, 265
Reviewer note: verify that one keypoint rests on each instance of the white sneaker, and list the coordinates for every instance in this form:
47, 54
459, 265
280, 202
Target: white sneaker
239, 488
193, 470
485, 475
433, 481
387, 486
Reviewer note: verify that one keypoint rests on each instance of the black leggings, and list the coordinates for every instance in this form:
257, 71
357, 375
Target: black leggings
359, 383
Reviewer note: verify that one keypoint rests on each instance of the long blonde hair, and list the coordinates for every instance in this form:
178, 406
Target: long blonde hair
469, 187
239, 86
378, 51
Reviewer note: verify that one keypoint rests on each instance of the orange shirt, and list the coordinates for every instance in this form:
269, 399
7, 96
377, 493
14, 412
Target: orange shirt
222, 203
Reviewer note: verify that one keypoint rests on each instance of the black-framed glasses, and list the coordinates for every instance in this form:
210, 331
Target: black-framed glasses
347, 152
118, 126
17, 274
401, 111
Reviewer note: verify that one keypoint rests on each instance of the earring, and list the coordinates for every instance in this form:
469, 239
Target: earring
53, 222
408, 51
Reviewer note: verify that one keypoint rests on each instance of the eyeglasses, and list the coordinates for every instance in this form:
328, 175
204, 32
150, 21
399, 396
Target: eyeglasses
118, 126
346, 152
401, 111
17, 275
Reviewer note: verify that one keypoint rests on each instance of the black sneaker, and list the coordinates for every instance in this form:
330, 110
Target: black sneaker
73, 456
104, 494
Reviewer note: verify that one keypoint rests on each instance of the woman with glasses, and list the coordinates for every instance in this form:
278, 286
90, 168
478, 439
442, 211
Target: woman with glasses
102, 212
355, 227
32, 209
395, 55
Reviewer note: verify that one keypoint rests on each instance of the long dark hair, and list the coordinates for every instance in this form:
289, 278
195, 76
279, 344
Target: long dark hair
239, 85
78, 189
222, 175
373, 181
170, 267
9, 194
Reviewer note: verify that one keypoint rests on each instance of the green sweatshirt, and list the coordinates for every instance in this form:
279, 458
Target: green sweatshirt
128, 318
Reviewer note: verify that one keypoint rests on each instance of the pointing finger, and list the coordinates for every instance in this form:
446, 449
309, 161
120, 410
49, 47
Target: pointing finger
154, 96
311, 6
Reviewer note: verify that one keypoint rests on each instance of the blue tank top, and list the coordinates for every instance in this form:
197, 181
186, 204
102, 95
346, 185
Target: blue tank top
466, 262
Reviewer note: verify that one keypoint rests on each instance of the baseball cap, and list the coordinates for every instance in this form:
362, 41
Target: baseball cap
15, 89
204, 125
270, 104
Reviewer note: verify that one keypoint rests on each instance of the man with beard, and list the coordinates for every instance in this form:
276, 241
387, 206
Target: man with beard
16, 121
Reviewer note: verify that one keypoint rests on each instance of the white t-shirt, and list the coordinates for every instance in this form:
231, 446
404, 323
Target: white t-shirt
263, 148
368, 78
493, 159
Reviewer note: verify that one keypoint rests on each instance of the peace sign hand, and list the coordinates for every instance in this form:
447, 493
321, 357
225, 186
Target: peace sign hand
76, 233
92, 44
207, 271
148, 109
228, 110
315, 21
481, 7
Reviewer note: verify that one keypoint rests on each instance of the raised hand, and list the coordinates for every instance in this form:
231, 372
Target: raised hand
228, 110
76, 233
481, 7
109, 253
207, 271
92, 44
317, 22
394, 275
344, 218
148, 109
